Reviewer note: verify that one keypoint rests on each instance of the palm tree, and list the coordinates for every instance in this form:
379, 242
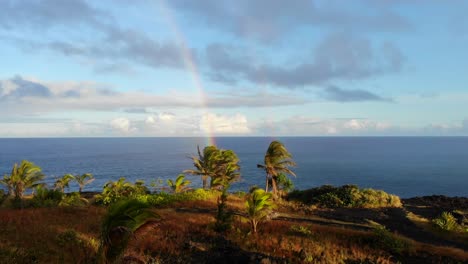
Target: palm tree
64, 182
180, 184
205, 164
259, 205
120, 222
83, 180
226, 170
25, 176
277, 160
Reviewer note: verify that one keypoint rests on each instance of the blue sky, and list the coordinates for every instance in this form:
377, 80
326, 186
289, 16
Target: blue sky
81, 68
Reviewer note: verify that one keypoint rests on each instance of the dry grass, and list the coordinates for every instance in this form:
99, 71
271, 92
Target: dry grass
185, 234
36, 234
428, 226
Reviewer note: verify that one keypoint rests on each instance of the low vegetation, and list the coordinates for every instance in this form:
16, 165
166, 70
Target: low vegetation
128, 223
345, 196
447, 222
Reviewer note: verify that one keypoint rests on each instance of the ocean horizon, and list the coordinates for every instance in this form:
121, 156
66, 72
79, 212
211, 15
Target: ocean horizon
406, 166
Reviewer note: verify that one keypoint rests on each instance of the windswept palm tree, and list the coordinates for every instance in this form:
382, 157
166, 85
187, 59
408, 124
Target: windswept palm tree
64, 182
25, 176
83, 179
226, 170
121, 221
205, 164
277, 160
180, 184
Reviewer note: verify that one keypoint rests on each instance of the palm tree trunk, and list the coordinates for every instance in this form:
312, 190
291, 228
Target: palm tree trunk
266, 184
205, 181
274, 188
254, 226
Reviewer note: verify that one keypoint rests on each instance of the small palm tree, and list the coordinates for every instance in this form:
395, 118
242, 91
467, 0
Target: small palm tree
25, 176
277, 160
205, 164
121, 221
83, 179
180, 184
259, 206
64, 182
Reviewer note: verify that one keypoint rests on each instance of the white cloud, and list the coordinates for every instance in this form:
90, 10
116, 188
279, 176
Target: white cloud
122, 125
224, 124
166, 116
311, 126
28, 95
150, 120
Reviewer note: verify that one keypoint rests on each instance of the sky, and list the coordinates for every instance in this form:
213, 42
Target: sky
121, 68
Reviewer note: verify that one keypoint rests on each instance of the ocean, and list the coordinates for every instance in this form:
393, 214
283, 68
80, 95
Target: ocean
405, 166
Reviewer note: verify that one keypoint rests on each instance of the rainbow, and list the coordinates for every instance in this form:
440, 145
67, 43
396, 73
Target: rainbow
189, 64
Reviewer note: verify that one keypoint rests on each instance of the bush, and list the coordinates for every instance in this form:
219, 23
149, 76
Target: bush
46, 198
164, 199
114, 191
73, 199
301, 230
390, 241
446, 221
345, 196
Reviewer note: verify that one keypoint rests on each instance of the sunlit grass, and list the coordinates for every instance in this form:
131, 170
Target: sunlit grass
185, 232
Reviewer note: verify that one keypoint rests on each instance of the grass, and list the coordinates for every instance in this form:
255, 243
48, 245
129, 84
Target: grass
185, 234
438, 227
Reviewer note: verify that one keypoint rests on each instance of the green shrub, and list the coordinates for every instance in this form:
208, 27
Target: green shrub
73, 199
117, 190
164, 199
301, 230
46, 198
446, 221
390, 241
345, 196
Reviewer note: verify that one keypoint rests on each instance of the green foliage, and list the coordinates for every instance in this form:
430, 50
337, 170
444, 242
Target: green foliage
447, 222
83, 179
163, 199
219, 165
64, 182
120, 189
301, 230
157, 185
223, 215
277, 163
121, 220
179, 185
44, 197
345, 196
389, 241
23, 177
259, 206
73, 199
